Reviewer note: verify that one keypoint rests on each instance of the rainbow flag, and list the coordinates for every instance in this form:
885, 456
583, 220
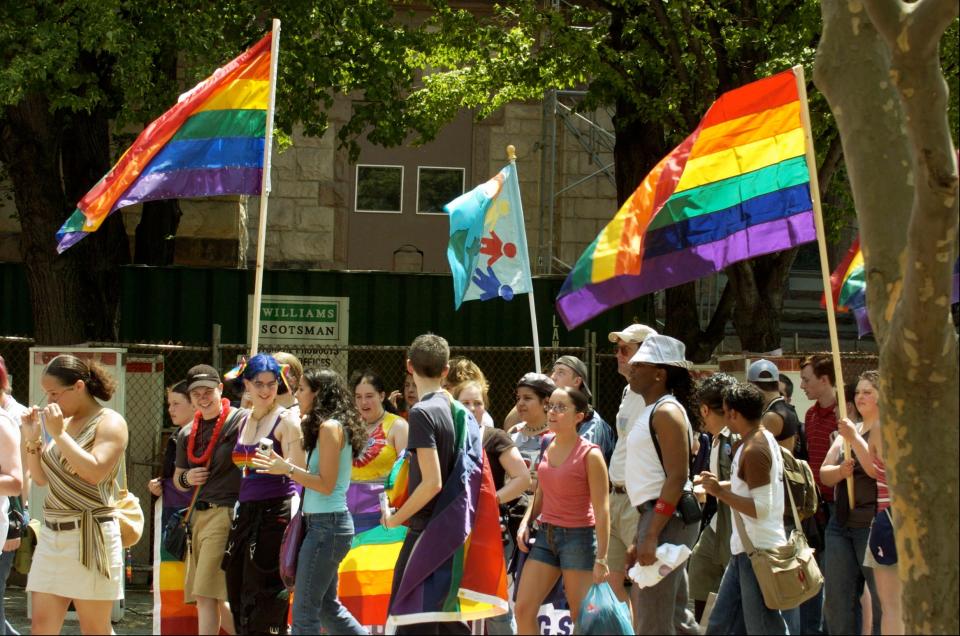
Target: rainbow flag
456, 570
366, 573
211, 143
171, 615
736, 188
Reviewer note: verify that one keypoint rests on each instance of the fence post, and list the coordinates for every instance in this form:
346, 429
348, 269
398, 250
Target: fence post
215, 347
594, 366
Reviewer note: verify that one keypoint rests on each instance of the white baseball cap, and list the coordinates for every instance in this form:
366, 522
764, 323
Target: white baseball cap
634, 333
660, 349
763, 371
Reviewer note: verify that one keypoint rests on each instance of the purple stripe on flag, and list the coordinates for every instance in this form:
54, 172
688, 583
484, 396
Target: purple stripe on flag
863, 321
364, 497
686, 265
70, 239
198, 182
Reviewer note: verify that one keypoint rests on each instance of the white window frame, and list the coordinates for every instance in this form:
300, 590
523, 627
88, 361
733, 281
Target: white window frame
463, 185
356, 187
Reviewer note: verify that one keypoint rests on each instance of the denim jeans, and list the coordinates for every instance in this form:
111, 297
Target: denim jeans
844, 576
739, 606
326, 542
6, 563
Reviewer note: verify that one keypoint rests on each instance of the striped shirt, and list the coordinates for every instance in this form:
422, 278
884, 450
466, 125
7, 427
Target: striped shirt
72, 498
883, 493
821, 425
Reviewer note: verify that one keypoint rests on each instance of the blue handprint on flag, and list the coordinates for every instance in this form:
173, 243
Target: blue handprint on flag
490, 286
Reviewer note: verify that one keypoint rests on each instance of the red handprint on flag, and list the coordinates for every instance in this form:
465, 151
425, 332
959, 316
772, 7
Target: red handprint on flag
494, 247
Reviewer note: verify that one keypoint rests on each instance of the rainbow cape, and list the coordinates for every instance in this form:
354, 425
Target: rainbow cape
456, 570
736, 188
211, 143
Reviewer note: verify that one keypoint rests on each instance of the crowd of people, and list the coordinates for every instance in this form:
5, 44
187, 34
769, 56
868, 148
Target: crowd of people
694, 462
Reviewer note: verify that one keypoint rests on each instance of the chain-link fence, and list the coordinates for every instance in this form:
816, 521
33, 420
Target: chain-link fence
152, 367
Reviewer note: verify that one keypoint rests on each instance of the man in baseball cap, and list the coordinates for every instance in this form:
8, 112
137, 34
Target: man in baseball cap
779, 417
571, 372
203, 375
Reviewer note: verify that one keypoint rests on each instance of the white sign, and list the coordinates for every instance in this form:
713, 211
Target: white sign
313, 328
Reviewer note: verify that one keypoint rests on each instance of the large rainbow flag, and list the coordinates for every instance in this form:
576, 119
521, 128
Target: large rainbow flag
211, 143
171, 615
456, 570
736, 188
366, 573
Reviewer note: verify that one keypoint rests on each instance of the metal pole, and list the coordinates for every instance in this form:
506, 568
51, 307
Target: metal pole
512, 157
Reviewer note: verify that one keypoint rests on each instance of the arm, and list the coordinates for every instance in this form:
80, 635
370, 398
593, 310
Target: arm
109, 444
399, 433
330, 440
832, 472
772, 422
847, 430
599, 499
756, 463
30, 432
290, 437
11, 477
533, 512
516, 469
430, 485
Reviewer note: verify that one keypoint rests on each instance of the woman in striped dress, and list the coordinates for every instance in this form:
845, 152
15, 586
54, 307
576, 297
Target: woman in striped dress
79, 556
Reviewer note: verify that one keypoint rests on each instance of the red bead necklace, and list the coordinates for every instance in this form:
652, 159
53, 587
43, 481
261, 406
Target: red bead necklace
191, 441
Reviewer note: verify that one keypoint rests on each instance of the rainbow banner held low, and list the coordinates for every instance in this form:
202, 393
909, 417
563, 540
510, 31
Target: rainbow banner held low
738, 187
210, 143
171, 615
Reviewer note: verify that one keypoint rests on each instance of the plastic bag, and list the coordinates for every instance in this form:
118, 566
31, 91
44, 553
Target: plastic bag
602, 613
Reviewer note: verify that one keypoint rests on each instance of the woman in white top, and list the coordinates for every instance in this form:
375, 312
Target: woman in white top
755, 494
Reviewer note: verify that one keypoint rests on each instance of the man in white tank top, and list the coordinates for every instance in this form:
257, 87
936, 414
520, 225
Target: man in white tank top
755, 493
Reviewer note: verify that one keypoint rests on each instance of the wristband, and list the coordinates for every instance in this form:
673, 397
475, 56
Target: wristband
664, 508
183, 480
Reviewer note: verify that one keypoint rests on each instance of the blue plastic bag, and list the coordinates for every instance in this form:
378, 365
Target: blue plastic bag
602, 613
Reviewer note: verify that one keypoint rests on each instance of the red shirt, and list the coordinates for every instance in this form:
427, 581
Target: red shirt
820, 424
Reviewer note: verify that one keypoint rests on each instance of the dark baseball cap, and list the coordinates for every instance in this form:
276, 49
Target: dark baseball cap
203, 375
540, 383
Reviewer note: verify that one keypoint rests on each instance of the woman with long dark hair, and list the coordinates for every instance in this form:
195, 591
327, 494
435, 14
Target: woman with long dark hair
79, 557
333, 435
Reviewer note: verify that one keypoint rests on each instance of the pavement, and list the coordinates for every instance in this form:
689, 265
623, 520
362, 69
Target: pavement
137, 612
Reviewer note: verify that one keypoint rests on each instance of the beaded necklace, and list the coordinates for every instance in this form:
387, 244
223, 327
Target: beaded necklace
191, 441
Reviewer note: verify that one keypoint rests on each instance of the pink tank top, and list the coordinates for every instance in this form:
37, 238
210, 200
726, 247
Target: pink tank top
566, 489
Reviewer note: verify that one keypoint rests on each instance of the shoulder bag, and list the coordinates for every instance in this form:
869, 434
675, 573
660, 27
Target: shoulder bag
127, 511
787, 575
292, 540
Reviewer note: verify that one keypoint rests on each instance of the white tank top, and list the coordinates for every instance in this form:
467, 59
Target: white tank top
765, 533
644, 474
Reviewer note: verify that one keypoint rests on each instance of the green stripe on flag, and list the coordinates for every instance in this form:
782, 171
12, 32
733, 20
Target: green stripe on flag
209, 124
379, 536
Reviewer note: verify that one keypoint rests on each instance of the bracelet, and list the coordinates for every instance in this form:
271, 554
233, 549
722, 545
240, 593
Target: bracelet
183, 480
33, 446
602, 562
290, 472
664, 508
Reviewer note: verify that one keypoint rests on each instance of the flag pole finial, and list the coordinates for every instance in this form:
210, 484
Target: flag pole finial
511, 153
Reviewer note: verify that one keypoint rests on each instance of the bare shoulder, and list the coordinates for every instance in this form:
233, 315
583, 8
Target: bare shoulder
112, 427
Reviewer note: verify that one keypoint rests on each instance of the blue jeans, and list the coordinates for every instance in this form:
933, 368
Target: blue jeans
326, 542
739, 606
565, 548
844, 576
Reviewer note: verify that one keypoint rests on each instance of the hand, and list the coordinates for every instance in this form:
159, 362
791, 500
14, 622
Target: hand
155, 487
847, 430
387, 519
600, 573
11, 545
53, 420
700, 493
246, 402
30, 424
846, 468
647, 551
709, 482
270, 463
631, 557
523, 538
394, 397
197, 476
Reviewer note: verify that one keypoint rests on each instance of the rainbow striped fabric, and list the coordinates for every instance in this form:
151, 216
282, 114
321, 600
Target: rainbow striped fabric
211, 143
171, 615
736, 188
366, 573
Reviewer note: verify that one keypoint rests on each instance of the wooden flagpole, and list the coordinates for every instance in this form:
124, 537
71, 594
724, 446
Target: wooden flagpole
512, 157
264, 192
824, 265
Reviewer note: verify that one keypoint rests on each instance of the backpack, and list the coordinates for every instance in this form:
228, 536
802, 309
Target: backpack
798, 477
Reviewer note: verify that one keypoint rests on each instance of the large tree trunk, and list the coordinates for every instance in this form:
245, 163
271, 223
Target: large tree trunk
879, 69
156, 233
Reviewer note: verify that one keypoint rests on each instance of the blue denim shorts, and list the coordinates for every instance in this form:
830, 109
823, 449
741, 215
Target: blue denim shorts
565, 548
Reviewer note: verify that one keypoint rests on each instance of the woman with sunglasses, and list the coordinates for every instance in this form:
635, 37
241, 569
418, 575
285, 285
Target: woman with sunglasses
254, 587
571, 505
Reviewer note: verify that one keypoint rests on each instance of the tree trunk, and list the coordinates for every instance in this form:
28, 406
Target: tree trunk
758, 286
879, 70
156, 232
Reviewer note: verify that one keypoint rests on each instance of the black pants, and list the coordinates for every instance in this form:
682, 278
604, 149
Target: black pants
449, 627
258, 599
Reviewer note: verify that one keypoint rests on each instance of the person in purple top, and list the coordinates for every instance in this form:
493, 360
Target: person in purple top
181, 413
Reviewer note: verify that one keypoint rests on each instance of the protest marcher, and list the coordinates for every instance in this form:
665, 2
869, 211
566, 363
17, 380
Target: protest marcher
505, 462
386, 435
817, 381
292, 372
755, 493
844, 574
15, 410
254, 588
433, 454
786, 388
79, 556
712, 551
658, 480
462, 370
181, 413
403, 399
623, 515
571, 507
533, 393
205, 461
779, 418
333, 434
11, 485
571, 371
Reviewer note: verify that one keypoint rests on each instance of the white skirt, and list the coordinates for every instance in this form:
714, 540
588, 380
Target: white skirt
56, 567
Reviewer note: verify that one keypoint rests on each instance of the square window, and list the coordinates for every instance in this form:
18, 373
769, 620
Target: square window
438, 186
379, 189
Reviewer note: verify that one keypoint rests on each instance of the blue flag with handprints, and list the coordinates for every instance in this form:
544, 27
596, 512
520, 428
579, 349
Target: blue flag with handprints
488, 242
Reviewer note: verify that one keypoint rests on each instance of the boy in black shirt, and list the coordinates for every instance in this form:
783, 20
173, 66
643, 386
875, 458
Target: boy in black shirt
431, 438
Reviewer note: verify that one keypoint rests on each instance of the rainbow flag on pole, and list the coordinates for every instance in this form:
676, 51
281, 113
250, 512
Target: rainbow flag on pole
736, 188
210, 143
